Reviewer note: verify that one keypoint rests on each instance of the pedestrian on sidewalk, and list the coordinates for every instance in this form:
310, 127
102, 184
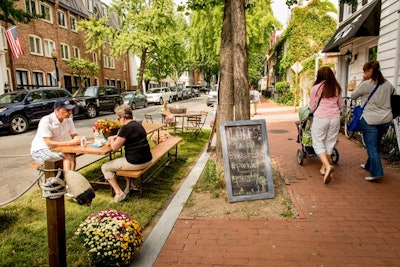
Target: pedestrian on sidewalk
254, 99
376, 116
326, 103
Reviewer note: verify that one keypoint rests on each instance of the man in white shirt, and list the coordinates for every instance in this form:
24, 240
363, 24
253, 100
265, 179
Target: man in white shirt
52, 131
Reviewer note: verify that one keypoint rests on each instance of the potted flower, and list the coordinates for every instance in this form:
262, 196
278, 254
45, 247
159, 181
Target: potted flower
111, 237
107, 127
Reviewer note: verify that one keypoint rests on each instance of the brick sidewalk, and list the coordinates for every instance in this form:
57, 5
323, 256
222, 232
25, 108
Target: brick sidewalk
349, 222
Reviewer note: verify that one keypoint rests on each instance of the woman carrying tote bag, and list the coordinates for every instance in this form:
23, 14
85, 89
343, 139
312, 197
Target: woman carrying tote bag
376, 116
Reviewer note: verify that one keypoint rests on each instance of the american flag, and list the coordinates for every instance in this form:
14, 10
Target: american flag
14, 43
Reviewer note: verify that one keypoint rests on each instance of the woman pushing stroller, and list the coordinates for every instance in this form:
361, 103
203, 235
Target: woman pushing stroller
326, 103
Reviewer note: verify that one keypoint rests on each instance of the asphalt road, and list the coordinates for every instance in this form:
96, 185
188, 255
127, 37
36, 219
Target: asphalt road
16, 177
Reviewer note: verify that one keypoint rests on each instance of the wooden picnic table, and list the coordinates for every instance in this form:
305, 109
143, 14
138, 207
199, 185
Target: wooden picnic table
105, 149
176, 116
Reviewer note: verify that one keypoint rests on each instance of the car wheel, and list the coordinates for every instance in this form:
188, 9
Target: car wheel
19, 124
133, 106
161, 101
145, 104
91, 111
171, 100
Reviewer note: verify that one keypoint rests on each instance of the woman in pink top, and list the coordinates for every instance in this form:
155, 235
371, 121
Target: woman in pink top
326, 103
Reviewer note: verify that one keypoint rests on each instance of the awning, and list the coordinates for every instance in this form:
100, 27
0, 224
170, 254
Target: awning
365, 23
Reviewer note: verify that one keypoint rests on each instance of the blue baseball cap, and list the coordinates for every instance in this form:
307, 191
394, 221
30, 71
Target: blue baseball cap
63, 104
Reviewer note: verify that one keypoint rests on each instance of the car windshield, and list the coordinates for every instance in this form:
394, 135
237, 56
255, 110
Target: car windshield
128, 95
12, 98
153, 91
90, 91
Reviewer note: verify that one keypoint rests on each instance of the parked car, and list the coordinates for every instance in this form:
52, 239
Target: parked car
195, 89
186, 93
212, 96
94, 99
158, 95
23, 108
134, 99
176, 92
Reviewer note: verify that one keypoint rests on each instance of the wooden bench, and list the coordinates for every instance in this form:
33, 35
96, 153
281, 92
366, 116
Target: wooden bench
158, 152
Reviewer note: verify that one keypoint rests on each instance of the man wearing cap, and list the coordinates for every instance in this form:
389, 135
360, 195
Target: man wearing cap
52, 131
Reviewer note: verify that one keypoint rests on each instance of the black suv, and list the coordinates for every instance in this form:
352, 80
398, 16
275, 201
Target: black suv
20, 109
94, 99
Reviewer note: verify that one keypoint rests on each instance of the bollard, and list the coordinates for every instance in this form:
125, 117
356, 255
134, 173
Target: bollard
55, 220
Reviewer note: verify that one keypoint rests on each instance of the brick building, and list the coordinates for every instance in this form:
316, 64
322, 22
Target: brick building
58, 32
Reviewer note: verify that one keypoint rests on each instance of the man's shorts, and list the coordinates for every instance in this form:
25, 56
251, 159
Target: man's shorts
44, 154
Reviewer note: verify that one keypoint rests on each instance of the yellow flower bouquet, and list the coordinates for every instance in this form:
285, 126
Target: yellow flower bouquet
111, 237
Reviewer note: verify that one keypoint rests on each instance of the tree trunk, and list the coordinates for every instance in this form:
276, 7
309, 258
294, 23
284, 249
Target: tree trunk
233, 99
225, 91
141, 69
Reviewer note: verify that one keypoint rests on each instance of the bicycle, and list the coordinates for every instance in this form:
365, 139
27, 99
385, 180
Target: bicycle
347, 113
389, 144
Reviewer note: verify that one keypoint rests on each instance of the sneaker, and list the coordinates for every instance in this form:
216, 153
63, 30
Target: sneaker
119, 198
362, 166
373, 178
132, 189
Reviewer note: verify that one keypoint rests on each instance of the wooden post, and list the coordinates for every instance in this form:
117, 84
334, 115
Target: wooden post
55, 220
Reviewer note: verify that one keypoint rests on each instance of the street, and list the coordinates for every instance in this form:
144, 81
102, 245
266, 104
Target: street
15, 149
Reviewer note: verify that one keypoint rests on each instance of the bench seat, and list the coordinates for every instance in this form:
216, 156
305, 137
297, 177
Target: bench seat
158, 153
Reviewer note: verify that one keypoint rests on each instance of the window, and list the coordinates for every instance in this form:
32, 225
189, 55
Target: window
372, 53
35, 45
119, 84
22, 79
95, 57
51, 80
111, 63
64, 51
105, 61
62, 22
107, 82
37, 78
50, 94
124, 64
113, 82
36, 96
75, 52
46, 12
49, 46
30, 6
364, 2
89, 5
96, 81
72, 22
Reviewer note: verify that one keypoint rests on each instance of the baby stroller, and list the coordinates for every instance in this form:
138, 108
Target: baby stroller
304, 137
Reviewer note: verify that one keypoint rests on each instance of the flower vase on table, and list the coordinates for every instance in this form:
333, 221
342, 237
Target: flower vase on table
107, 127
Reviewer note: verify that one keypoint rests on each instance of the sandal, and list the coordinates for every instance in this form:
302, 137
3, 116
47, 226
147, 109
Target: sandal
328, 174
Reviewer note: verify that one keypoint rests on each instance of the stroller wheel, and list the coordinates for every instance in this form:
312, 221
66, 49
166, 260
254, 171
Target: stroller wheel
335, 156
300, 156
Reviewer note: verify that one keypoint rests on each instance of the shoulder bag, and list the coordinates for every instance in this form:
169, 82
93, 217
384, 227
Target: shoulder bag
395, 104
354, 125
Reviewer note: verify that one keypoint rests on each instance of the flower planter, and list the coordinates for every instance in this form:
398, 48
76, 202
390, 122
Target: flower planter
177, 110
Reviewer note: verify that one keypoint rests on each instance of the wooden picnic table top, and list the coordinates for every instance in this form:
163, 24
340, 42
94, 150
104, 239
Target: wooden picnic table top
105, 149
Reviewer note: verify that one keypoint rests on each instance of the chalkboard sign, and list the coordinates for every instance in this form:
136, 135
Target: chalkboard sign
247, 164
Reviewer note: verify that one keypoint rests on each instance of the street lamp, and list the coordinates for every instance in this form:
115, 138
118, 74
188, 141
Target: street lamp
54, 56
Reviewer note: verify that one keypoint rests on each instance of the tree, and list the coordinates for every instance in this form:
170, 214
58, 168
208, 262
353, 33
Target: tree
97, 33
83, 68
142, 29
11, 15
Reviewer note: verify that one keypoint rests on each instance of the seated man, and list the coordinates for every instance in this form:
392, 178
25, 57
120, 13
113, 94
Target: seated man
52, 131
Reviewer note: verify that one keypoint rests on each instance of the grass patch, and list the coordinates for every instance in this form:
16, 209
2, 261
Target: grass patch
23, 227
210, 180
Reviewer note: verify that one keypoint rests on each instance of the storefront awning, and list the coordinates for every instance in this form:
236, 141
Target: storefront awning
365, 23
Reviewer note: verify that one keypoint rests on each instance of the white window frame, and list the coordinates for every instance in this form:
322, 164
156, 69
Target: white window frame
73, 21
76, 52
37, 78
49, 45
29, 9
50, 9
63, 17
89, 5
111, 63
105, 61
37, 45
64, 48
